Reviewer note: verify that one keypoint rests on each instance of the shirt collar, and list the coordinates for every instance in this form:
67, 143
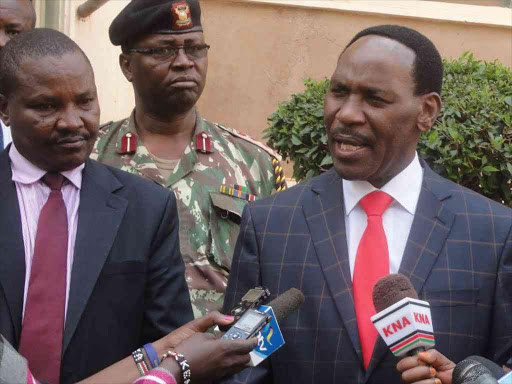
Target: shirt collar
412, 176
23, 171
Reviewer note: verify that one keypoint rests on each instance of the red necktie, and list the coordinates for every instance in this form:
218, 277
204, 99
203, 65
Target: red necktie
43, 323
372, 263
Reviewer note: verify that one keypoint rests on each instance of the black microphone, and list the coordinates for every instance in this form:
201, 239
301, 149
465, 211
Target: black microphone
495, 369
403, 321
472, 372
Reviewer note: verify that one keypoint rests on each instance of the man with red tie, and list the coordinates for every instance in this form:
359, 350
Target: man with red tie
379, 210
90, 268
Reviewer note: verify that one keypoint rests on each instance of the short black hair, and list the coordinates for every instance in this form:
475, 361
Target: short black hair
37, 43
428, 65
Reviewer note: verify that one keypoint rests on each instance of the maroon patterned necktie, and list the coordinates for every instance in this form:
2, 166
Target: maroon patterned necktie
43, 323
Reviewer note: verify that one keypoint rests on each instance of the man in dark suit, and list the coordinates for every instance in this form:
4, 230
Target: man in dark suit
90, 270
380, 205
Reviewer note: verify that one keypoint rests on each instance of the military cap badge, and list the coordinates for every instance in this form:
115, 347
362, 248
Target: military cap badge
181, 18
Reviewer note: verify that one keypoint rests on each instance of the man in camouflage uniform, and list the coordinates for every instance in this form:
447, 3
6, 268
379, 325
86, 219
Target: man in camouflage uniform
213, 170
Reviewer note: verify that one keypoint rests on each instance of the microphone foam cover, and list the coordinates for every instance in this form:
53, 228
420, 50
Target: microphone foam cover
285, 304
390, 290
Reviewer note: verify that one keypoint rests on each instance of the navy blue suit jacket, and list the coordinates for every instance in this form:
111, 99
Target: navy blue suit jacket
127, 283
458, 257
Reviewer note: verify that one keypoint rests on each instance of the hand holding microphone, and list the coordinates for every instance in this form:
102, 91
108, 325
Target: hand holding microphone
405, 324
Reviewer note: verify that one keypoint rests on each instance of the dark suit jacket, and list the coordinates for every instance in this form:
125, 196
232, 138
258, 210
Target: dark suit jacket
458, 257
127, 283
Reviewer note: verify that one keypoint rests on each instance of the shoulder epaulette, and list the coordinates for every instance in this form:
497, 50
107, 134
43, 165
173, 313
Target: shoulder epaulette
251, 140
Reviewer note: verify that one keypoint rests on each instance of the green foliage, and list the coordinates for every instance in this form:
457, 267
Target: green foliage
471, 142
297, 131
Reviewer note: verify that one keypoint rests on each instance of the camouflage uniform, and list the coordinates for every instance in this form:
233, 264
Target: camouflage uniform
209, 219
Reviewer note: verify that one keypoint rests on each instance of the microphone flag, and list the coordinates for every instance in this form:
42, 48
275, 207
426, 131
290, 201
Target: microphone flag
270, 339
405, 325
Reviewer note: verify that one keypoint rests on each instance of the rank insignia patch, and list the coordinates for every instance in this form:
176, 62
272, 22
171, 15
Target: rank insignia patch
203, 142
128, 143
181, 18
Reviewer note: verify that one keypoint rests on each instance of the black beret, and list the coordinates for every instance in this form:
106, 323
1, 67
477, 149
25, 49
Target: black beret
145, 17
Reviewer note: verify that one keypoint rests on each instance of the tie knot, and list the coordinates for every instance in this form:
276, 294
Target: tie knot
54, 181
375, 203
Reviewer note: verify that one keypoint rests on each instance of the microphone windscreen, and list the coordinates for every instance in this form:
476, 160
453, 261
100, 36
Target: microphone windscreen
285, 304
390, 290
495, 369
468, 371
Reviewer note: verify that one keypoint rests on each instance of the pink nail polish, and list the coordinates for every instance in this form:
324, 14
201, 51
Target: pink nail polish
229, 318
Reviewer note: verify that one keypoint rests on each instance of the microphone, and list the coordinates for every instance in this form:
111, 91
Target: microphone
402, 320
469, 371
286, 303
495, 369
270, 338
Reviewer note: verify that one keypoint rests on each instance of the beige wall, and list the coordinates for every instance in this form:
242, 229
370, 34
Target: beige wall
487, 3
115, 93
261, 52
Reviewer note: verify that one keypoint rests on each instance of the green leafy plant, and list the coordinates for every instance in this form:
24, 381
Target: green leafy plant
471, 142
297, 131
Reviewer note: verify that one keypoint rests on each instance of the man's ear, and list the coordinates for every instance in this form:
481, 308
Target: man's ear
4, 113
125, 64
430, 109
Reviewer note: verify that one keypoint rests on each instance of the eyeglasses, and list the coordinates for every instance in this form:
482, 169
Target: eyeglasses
193, 52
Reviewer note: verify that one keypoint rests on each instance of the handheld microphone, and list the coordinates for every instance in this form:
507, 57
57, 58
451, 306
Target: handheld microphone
403, 321
287, 303
270, 338
495, 369
254, 319
472, 372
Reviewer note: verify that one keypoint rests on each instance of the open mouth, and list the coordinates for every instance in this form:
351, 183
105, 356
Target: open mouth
346, 146
349, 147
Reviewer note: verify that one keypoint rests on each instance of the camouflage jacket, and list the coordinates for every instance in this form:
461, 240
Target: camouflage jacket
209, 214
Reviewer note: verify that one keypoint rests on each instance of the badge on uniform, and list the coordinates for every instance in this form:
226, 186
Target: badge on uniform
237, 191
128, 143
203, 142
181, 18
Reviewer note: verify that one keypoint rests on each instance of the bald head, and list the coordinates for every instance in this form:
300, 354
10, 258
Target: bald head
16, 16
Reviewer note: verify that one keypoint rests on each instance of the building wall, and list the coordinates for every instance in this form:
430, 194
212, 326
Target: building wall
487, 3
261, 52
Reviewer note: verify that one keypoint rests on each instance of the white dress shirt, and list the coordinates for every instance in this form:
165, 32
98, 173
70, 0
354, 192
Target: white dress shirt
32, 195
405, 189
7, 134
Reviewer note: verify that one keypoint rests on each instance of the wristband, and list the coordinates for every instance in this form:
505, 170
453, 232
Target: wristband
152, 355
138, 357
184, 366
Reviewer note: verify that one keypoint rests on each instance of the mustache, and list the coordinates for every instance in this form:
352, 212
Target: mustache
349, 133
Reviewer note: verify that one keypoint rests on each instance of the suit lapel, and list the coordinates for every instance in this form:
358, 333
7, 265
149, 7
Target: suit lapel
100, 215
324, 212
12, 249
430, 228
